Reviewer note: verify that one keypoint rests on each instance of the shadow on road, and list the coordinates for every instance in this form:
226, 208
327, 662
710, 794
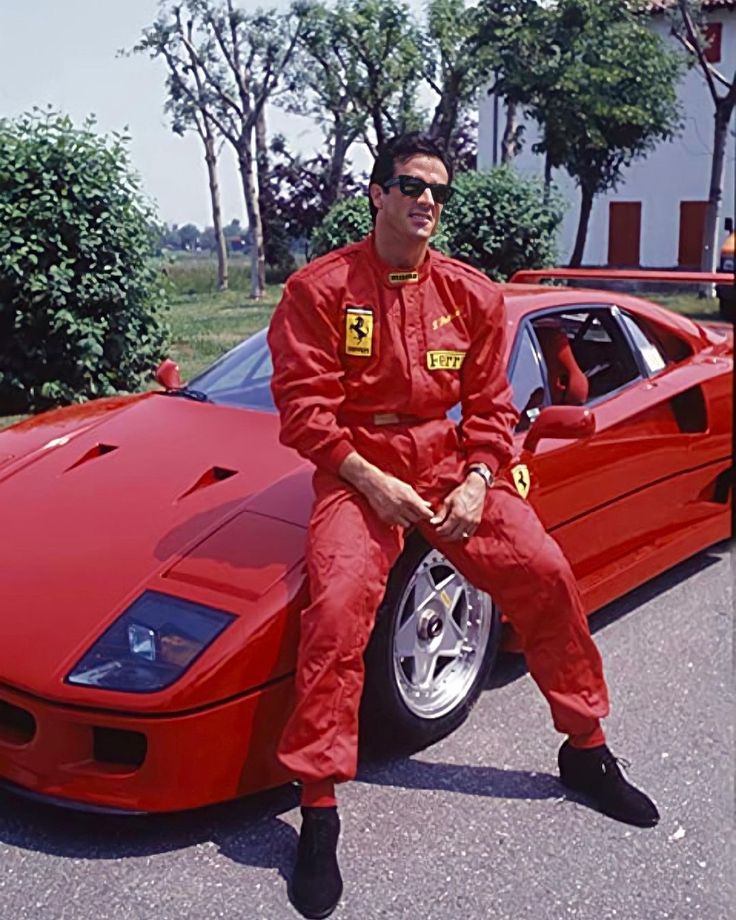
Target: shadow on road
486, 781
248, 831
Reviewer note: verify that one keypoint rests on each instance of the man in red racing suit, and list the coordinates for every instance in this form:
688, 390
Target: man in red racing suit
372, 344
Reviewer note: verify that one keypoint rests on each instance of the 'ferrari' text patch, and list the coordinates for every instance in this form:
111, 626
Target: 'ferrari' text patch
445, 360
359, 331
522, 479
403, 277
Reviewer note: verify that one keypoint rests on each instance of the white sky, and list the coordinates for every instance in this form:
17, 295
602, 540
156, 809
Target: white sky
64, 52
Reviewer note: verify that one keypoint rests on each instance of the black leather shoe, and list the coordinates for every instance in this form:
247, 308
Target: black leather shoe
316, 884
596, 774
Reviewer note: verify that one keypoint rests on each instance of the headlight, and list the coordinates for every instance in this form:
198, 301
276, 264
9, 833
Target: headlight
150, 645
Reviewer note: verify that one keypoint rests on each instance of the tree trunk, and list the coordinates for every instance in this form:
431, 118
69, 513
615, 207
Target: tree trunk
547, 176
220, 245
444, 120
264, 185
247, 165
340, 147
709, 253
586, 205
509, 146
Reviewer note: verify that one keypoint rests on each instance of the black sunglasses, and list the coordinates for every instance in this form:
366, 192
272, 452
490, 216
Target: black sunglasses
414, 188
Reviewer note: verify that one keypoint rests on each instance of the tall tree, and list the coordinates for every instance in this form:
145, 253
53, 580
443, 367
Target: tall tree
511, 33
324, 77
241, 57
602, 86
458, 57
688, 28
190, 109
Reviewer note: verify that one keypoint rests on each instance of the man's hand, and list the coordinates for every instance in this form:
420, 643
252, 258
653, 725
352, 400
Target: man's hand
461, 511
394, 501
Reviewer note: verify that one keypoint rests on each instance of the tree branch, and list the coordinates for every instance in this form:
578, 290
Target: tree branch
692, 40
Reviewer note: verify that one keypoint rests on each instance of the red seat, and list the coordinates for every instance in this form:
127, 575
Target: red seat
568, 384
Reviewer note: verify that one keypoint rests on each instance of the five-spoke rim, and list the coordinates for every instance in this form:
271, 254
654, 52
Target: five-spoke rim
440, 637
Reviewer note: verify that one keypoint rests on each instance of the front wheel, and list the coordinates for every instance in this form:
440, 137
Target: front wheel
433, 645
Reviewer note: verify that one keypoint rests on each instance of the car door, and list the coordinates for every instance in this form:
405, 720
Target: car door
610, 499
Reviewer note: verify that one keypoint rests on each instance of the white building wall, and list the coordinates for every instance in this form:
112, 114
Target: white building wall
674, 172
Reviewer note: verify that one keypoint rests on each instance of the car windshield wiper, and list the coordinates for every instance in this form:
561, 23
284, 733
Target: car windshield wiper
187, 393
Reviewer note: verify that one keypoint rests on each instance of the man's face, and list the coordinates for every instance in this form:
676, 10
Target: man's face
405, 218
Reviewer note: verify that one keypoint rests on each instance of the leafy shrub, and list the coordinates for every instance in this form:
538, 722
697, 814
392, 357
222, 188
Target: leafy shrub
498, 221
347, 221
80, 297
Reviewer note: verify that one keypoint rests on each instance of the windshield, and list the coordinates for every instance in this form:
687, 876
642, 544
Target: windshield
241, 377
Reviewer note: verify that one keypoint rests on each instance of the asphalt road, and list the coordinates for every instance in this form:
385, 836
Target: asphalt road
476, 827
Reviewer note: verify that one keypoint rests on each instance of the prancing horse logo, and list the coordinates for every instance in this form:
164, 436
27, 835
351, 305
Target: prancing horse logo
358, 331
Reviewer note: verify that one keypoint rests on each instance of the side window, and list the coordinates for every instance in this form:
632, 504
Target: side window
651, 354
586, 355
527, 382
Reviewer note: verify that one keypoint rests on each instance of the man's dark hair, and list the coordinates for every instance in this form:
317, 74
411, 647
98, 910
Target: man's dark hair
399, 150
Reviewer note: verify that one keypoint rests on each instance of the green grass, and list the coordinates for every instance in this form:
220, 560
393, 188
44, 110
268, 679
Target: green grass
203, 326
205, 323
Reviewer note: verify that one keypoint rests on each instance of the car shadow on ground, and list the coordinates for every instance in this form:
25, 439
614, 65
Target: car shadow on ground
251, 831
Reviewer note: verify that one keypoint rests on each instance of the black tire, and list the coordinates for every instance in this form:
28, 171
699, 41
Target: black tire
392, 721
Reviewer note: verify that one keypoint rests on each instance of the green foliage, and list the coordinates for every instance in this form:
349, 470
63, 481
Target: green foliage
346, 222
80, 299
498, 222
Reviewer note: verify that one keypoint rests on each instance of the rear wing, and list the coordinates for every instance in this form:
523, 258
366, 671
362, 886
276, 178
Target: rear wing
534, 275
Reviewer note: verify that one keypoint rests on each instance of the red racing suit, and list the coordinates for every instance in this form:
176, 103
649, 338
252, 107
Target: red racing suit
370, 358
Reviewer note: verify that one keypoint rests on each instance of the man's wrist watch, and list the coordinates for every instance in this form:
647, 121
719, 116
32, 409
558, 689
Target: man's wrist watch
482, 470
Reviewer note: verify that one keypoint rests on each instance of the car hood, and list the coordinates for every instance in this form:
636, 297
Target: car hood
124, 499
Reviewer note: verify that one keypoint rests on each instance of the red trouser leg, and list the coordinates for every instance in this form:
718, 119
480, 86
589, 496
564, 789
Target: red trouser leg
513, 559
349, 555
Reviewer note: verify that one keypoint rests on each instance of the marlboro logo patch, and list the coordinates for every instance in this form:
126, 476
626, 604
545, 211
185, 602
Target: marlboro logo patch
403, 277
359, 331
445, 360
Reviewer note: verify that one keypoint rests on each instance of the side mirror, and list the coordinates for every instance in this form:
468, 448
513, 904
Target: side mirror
167, 374
563, 422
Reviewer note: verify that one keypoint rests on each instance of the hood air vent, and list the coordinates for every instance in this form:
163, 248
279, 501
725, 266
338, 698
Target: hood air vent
99, 450
214, 475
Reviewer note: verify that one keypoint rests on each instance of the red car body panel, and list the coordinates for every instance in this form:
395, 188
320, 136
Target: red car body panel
201, 502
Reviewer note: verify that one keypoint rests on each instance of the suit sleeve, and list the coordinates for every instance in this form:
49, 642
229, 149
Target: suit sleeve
307, 375
488, 413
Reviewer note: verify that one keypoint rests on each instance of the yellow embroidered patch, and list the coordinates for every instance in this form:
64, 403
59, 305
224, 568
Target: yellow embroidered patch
445, 360
359, 331
522, 479
403, 277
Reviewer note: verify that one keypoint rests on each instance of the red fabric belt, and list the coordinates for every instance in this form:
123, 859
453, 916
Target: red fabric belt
371, 419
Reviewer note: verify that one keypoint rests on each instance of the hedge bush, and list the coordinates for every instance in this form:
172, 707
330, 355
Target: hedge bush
498, 221
80, 297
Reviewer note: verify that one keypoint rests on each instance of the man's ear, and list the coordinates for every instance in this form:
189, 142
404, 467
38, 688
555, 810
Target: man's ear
376, 195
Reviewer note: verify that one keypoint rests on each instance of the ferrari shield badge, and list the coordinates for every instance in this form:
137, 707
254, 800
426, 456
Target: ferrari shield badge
522, 479
359, 331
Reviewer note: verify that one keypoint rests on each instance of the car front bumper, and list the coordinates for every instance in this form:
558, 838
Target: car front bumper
103, 760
